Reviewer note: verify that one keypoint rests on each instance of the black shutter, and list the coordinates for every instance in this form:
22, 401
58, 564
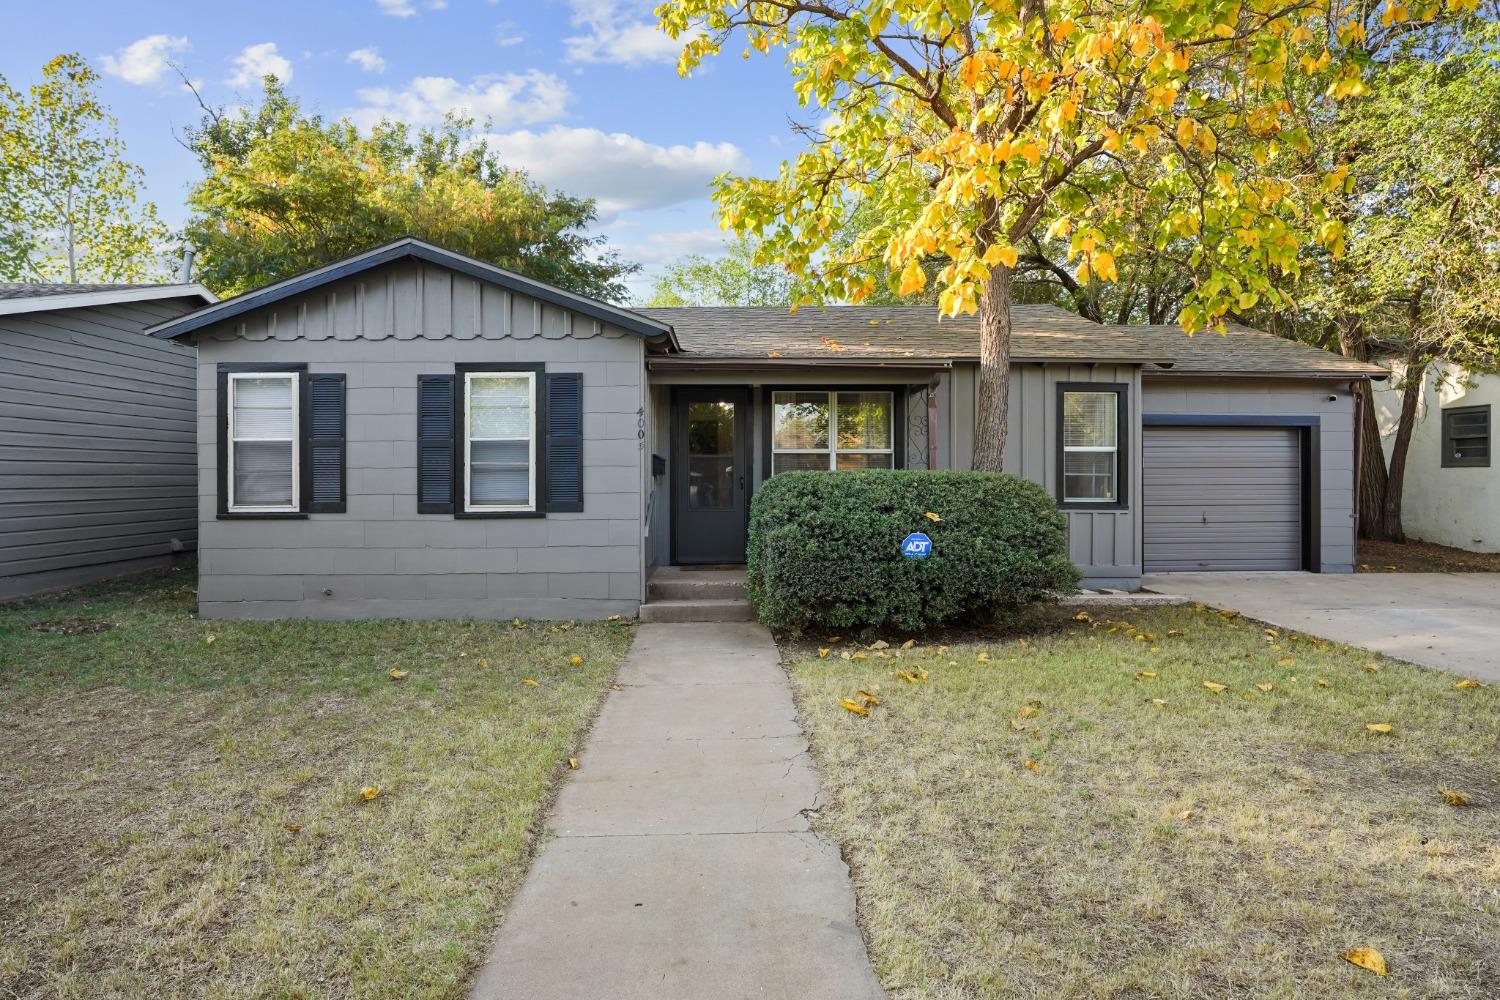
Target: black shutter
323, 467
435, 445
564, 442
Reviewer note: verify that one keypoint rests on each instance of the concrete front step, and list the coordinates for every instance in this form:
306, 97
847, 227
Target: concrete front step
705, 610
670, 583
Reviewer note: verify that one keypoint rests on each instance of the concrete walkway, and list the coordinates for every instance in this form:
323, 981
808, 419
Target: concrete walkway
683, 865
1446, 620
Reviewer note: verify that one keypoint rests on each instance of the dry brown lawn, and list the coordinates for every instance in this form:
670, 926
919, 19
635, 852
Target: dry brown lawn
181, 807
1035, 824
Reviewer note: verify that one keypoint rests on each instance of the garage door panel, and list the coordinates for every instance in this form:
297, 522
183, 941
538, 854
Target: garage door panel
1222, 498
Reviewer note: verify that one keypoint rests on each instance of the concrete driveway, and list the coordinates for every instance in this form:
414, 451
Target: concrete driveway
1445, 620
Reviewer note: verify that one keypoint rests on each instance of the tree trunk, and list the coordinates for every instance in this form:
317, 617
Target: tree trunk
994, 371
1372, 473
1411, 398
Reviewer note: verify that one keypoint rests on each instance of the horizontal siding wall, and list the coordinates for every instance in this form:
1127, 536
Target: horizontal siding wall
96, 444
1104, 545
382, 558
1283, 398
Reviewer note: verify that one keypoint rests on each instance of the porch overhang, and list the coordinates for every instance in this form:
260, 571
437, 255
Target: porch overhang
680, 363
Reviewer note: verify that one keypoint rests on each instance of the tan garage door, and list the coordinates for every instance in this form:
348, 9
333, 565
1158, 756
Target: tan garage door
1222, 498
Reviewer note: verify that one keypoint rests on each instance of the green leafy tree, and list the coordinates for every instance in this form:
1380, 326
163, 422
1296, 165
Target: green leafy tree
966, 128
1421, 279
736, 279
285, 191
69, 200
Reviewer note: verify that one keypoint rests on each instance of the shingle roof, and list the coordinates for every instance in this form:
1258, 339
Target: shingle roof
37, 290
1039, 333
1243, 351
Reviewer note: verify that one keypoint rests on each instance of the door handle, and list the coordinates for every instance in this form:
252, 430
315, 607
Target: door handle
742, 482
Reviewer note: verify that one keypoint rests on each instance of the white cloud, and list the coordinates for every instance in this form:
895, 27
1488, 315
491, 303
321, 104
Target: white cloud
369, 59
144, 60
256, 61
663, 248
612, 34
506, 35
502, 99
623, 173
407, 8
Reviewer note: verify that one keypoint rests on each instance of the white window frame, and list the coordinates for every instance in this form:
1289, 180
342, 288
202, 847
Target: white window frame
833, 449
1113, 449
531, 505
295, 507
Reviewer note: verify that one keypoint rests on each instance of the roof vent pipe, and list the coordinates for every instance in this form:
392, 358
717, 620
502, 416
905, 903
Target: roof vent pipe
185, 269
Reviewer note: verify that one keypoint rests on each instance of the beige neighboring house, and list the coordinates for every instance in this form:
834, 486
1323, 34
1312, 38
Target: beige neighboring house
1452, 493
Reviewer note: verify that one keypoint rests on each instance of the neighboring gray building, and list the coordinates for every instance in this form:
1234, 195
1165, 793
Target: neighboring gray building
414, 433
96, 432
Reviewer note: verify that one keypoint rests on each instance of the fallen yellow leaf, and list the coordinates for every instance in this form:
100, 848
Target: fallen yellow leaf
823, 653
1286, 661
613, 618
1266, 687
1157, 701
1082, 616
854, 706
517, 623
982, 657
1032, 765
834, 638
395, 674
1468, 684
1174, 632
1371, 668
1186, 814
484, 664
209, 639
529, 682
1453, 798
1228, 614
1027, 711
861, 655
1320, 682
908, 644
370, 791
292, 827
1366, 958
867, 697
1215, 688
575, 661
1378, 727
1144, 674
933, 517
907, 676
573, 763
1154, 649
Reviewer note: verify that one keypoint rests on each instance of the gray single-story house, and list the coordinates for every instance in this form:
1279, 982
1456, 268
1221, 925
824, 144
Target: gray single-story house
414, 433
97, 473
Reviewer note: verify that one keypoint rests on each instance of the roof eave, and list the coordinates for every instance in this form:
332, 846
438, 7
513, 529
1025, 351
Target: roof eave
105, 297
1319, 376
633, 322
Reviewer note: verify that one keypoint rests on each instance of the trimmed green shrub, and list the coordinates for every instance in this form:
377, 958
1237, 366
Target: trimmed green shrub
825, 548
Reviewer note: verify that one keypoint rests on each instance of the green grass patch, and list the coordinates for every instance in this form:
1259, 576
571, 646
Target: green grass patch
183, 815
1031, 823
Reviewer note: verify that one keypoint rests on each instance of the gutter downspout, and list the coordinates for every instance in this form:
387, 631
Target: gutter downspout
1359, 428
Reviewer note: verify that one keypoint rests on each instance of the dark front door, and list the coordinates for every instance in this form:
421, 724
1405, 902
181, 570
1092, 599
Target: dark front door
710, 474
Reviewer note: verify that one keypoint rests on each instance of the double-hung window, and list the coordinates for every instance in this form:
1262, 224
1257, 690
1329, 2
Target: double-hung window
500, 432
1466, 437
263, 454
832, 430
1091, 419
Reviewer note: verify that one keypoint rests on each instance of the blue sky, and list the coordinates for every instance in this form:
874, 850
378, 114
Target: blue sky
582, 93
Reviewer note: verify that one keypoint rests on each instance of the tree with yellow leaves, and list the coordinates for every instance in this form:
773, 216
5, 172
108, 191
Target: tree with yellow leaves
963, 128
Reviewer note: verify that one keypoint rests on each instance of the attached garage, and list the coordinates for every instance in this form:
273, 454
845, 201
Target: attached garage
1225, 497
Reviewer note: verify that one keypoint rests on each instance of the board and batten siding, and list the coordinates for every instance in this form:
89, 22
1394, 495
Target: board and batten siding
96, 444
381, 558
1329, 401
1103, 544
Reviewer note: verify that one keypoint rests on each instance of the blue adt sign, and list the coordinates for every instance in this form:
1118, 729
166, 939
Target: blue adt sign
916, 546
